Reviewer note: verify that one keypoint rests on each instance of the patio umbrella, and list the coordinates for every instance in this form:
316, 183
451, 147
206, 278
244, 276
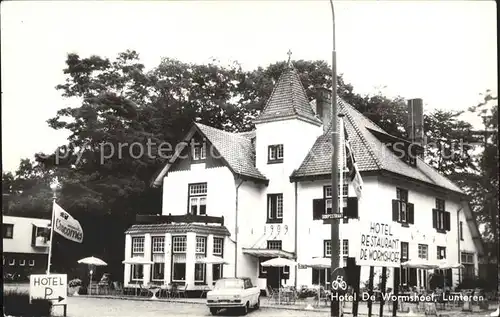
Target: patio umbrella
419, 264
278, 262
444, 265
92, 261
211, 260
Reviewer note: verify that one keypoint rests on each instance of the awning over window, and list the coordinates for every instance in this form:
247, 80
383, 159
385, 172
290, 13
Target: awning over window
269, 253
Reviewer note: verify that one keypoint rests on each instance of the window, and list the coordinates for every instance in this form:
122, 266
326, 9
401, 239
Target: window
198, 199
422, 251
178, 258
402, 210
158, 244
158, 258
31, 263
179, 244
12, 262
200, 268
262, 269
275, 154
327, 195
345, 248
218, 246
404, 251
440, 217
441, 253
467, 260
22, 262
199, 151
440, 204
8, 230
137, 270
321, 276
37, 232
274, 244
137, 245
461, 232
275, 208
218, 251
327, 248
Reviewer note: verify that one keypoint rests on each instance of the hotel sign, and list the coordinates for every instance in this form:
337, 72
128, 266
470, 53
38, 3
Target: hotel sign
379, 244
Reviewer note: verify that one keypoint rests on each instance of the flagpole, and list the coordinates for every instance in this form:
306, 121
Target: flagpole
54, 187
334, 227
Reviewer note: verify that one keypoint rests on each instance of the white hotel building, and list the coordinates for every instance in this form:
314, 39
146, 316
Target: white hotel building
251, 196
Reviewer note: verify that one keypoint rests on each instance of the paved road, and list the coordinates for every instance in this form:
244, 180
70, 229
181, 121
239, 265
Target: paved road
97, 307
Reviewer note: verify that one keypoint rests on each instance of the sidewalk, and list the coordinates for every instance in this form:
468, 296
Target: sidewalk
301, 306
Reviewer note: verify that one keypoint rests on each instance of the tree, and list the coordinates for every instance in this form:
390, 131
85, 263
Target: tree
485, 187
449, 143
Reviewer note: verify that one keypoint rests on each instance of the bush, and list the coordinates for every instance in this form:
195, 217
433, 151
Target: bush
75, 282
472, 283
306, 292
82, 290
16, 303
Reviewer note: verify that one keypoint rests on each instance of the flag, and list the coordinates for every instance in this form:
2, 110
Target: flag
354, 175
66, 225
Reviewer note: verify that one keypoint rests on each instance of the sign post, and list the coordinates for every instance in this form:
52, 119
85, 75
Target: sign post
52, 287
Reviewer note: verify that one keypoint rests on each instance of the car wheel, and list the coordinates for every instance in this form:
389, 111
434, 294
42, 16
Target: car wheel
213, 311
257, 306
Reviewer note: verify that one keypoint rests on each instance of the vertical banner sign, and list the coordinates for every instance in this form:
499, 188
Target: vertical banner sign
66, 225
379, 244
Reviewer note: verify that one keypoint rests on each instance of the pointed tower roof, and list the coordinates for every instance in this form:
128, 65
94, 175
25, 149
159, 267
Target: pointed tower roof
288, 100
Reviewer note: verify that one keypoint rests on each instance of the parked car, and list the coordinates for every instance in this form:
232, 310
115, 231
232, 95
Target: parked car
233, 293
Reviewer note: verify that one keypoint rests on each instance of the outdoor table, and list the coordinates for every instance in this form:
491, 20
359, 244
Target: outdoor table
286, 295
154, 290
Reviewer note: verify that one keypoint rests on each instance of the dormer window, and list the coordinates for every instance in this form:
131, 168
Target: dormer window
275, 154
199, 152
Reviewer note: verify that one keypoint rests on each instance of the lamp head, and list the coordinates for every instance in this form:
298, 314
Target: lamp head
55, 184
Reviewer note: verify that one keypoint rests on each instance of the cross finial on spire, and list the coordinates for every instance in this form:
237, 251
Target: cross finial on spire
289, 57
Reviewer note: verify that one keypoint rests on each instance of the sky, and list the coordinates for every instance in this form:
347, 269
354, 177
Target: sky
443, 52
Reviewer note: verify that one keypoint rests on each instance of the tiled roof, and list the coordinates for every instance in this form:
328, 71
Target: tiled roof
369, 152
177, 228
288, 100
236, 148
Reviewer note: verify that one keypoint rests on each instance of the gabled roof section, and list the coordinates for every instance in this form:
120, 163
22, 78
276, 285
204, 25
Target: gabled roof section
236, 150
370, 153
288, 101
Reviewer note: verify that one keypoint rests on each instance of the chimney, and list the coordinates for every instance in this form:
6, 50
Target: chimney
324, 106
415, 127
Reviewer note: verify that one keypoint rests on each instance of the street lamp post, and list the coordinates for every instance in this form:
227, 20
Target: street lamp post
53, 186
335, 247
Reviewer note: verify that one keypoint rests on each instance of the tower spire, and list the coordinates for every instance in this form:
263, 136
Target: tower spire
289, 63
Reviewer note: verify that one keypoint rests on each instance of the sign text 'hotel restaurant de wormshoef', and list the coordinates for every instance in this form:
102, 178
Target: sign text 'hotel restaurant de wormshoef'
378, 244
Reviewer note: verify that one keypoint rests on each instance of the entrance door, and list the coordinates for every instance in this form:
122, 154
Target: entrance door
273, 276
